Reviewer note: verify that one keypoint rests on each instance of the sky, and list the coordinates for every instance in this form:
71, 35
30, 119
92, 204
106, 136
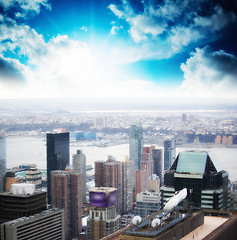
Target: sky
128, 49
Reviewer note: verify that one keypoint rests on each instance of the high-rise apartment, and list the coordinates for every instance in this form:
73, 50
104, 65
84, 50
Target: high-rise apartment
141, 181
66, 193
147, 159
200, 172
169, 152
79, 165
103, 219
2, 161
135, 146
126, 186
57, 155
158, 163
108, 174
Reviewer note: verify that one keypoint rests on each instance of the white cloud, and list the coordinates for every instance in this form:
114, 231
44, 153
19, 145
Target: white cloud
115, 10
26, 5
209, 74
172, 26
114, 29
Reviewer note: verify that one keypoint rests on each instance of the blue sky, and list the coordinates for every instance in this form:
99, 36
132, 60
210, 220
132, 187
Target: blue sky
118, 49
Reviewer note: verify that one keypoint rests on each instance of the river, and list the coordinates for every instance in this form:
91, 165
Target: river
27, 150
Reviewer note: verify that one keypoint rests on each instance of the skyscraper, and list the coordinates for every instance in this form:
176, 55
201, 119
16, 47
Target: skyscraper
147, 159
57, 155
66, 193
108, 174
158, 163
103, 219
34, 176
2, 161
135, 146
201, 173
169, 152
79, 165
126, 186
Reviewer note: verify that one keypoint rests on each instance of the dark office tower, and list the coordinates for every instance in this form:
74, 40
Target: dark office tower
57, 155
21, 201
169, 152
99, 176
135, 147
158, 163
66, 193
79, 165
126, 186
200, 172
2, 162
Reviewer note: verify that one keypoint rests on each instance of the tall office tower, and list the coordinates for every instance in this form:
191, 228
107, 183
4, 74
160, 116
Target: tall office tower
169, 152
146, 204
21, 201
103, 219
47, 224
66, 193
141, 181
9, 179
147, 159
57, 155
158, 163
200, 172
79, 165
34, 176
135, 147
2, 161
108, 174
99, 175
126, 186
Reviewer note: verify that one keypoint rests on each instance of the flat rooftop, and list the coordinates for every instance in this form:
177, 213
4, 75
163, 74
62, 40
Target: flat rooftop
210, 224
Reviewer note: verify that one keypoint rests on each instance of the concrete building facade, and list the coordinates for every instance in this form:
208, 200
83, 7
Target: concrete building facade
79, 165
66, 193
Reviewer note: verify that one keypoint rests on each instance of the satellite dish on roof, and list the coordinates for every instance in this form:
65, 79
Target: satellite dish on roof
155, 222
136, 220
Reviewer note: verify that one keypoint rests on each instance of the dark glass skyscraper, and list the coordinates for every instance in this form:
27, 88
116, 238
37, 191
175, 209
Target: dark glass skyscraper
135, 146
158, 163
57, 155
169, 152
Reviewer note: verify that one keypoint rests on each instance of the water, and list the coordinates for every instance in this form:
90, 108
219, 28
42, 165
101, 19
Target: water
27, 150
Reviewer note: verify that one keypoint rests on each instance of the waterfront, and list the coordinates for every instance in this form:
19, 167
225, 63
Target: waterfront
27, 150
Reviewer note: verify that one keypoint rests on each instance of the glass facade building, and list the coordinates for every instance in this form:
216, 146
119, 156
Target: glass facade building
135, 146
57, 155
169, 152
200, 172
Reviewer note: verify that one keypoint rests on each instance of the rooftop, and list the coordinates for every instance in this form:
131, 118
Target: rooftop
196, 162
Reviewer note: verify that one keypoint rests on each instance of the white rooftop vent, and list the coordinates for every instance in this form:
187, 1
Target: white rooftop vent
136, 220
22, 188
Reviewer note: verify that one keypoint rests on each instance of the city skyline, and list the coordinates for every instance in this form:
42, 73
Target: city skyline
169, 50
